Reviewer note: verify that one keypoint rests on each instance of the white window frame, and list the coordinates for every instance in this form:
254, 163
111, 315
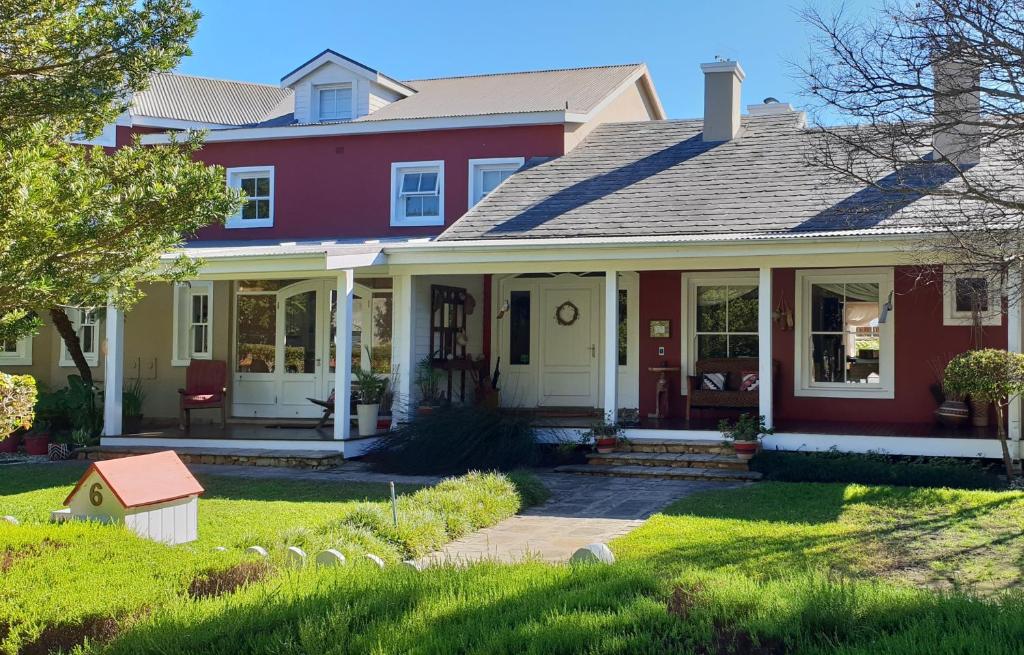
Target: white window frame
92, 358
398, 218
803, 385
235, 176
952, 317
688, 305
182, 325
329, 87
478, 166
22, 355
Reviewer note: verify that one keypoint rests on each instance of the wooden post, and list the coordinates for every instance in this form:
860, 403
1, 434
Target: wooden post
611, 346
343, 356
764, 346
113, 372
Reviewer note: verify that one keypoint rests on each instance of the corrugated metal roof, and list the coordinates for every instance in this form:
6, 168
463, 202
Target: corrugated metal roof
206, 100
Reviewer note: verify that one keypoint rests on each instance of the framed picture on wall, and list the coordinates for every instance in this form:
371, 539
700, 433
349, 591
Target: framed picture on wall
660, 329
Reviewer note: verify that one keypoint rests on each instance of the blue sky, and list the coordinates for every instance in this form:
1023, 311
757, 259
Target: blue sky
261, 40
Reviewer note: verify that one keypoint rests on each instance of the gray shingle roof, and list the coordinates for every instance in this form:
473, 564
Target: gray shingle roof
659, 178
206, 100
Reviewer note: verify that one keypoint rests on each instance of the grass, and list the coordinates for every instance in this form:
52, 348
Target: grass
57, 579
770, 568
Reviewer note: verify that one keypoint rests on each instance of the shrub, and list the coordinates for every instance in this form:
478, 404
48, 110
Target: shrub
457, 439
835, 466
17, 402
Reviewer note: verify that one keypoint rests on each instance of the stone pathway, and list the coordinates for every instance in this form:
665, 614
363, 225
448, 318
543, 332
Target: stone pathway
581, 511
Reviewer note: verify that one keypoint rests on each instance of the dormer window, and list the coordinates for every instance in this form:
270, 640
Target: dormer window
417, 196
334, 102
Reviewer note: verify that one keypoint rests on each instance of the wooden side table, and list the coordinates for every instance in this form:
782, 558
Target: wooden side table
661, 389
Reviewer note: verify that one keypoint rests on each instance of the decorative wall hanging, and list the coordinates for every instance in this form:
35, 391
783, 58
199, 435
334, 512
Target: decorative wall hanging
661, 329
567, 313
783, 316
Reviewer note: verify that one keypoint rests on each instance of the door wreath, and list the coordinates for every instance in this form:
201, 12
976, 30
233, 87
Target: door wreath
567, 313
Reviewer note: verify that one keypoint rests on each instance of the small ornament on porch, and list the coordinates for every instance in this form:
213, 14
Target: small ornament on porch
783, 316
153, 495
567, 313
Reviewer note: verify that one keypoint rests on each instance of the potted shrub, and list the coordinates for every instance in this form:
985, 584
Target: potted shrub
606, 437
37, 441
17, 408
371, 387
989, 376
131, 406
745, 434
428, 380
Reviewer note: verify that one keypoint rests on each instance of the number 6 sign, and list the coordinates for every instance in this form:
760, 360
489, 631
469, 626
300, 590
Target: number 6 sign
95, 497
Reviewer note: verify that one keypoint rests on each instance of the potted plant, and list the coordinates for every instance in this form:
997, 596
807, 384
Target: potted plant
745, 434
371, 387
989, 376
37, 441
606, 437
131, 406
428, 380
18, 399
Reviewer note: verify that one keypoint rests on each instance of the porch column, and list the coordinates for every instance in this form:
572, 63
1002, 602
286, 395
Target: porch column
343, 356
402, 347
113, 372
611, 346
1013, 344
764, 345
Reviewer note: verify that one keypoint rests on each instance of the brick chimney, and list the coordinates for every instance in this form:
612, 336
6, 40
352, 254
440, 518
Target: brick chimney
722, 83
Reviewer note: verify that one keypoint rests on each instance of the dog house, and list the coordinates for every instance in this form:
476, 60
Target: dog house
154, 495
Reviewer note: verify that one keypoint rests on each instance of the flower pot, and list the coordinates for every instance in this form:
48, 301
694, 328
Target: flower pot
952, 413
745, 450
979, 413
367, 419
37, 444
10, 444
58, 451
384, 422
605, 445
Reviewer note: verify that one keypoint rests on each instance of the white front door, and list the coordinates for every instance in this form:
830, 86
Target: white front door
569, 348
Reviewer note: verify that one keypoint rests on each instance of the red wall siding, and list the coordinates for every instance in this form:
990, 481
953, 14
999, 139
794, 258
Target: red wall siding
659, 301
340, 187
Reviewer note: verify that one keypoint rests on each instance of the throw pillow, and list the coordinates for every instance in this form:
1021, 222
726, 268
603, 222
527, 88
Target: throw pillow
749, 381
713, 381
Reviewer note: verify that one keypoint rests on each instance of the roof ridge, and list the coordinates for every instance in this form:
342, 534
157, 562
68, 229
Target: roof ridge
523, 72
221, 79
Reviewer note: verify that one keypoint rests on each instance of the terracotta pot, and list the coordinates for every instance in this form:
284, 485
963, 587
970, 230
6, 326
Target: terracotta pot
37, 444
605, 445
10, 444
952, 413
745, 449
979, 413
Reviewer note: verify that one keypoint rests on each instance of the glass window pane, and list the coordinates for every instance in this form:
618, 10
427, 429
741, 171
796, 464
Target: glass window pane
199, 309
257, 333
742, 345
300, 333
414, 206
248, 185
380, 350
263, 186
490, 179
428, 182
971, 290
249, 209
263, 285
430, 205
711, 308
8, 346
623, 328
262, 209
410, 182
743, 309
87, 337
519, 328
828, 358
199, 336
712, 345
827, 308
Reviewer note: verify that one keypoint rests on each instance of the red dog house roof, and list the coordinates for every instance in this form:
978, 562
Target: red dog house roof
144, 479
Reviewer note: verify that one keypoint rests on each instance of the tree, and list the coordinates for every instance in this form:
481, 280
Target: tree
80, 227
991, 376
930, 85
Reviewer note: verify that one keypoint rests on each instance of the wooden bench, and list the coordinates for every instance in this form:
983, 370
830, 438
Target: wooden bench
731, 397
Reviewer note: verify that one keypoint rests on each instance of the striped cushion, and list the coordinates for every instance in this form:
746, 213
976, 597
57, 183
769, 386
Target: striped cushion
713, 381
749, 381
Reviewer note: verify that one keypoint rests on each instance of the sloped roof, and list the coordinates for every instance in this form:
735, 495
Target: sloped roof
144, 479
659, 178
206, 100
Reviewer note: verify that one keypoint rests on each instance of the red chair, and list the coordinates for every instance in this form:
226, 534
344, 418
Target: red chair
205, 388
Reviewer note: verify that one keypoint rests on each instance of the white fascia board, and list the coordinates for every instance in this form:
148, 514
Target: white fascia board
373, 127
174, 123
362, 71
358, 260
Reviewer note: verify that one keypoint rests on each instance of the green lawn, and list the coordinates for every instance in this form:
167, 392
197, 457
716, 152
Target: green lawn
770, 568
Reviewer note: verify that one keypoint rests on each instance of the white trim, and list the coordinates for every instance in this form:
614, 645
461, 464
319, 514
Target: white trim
1014, 345
331, 86
897, 445
399, 167
22, 355
106, 138
610, 365
235, 175
174, 123
92, 357
343, 356
182, 323
766, 380
355, 67
802, 386
498, 163
688, 307
950, 315
113, 373
325, 445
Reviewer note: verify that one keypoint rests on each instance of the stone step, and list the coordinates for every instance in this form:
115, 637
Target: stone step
676, 460
641, 445
668, 472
